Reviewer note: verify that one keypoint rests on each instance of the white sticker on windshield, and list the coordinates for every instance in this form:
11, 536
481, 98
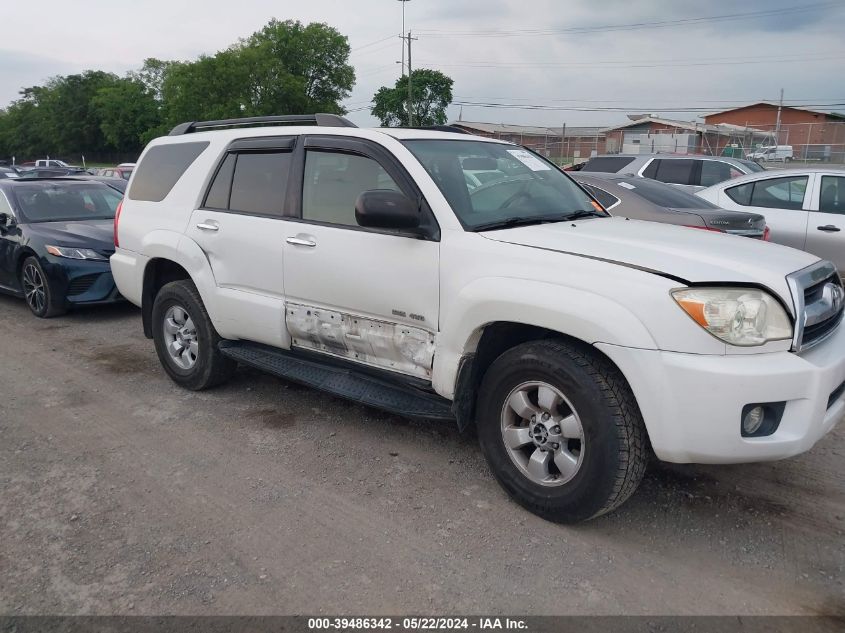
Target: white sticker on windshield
529, 160
626, 185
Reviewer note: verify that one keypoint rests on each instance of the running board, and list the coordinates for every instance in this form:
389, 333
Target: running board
348, 383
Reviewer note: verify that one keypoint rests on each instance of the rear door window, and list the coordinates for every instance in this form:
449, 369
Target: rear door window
716, 171
253, 183
832, 198
675, 171
780, 193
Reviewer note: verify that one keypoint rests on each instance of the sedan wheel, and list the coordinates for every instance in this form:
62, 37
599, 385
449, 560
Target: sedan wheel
33, 287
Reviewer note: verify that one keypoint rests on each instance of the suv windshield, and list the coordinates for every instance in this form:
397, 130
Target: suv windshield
493, 185
63, 201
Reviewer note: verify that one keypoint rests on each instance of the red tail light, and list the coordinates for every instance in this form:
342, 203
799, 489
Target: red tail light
767, 234
116, 220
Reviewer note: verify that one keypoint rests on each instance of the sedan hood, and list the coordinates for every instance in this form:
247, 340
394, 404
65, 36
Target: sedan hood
691, 255
95, 234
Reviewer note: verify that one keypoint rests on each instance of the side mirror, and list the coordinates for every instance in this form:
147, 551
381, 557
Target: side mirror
6, 221
386, 209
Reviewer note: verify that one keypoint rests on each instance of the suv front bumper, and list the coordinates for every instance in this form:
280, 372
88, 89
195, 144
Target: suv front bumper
692, 404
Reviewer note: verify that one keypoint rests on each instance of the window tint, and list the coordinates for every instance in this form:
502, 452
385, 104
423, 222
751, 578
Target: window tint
651, 170
605, 199
741, 194
260, 183
608, 164
161, 169
218, 193
780, 193
333, 181
715, 171
676, 171
832, 199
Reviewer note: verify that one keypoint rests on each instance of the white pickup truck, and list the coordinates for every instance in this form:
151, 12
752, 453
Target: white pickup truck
368, 264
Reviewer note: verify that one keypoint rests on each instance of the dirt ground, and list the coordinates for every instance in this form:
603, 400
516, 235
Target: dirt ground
123, 494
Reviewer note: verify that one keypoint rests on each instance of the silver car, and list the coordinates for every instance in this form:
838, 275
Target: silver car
692, 171
804, 208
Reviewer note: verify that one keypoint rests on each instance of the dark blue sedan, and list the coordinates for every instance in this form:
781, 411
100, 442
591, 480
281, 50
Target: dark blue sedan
56, 237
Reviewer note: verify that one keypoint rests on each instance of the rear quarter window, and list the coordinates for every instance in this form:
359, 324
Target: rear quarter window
161, 169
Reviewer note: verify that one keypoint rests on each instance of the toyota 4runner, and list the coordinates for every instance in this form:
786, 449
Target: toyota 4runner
366, 263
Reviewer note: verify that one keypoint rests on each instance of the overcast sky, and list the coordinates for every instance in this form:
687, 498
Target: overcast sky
518, 52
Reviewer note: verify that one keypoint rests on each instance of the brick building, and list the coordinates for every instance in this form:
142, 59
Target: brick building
646, 134
813, 134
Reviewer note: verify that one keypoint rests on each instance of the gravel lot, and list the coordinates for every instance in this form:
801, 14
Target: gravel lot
123, 494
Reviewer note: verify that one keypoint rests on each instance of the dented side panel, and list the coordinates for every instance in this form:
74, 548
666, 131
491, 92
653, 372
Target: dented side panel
382, 344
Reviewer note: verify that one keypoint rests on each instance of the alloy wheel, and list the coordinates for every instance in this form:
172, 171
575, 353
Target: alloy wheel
542, 433
180, 337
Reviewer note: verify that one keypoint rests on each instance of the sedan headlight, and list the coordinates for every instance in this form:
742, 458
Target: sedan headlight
739, 316
75, 253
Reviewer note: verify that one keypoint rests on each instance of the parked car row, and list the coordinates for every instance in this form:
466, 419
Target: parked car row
441, 275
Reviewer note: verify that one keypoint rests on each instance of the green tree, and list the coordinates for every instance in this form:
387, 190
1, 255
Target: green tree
127, 112
285, 68
432, 94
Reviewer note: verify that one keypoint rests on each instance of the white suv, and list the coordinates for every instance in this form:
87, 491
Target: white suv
362, 263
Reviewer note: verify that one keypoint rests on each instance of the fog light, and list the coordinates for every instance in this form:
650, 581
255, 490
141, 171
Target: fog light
752, 420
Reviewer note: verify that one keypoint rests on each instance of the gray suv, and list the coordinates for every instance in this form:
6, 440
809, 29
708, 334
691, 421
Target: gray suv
694, 171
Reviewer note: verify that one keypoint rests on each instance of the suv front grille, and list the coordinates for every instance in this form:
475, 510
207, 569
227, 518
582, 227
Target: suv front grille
820, 300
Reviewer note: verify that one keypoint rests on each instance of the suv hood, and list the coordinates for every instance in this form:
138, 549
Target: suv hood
691, 255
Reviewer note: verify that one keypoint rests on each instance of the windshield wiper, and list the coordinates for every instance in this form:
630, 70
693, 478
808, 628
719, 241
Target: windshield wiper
586, 214
511, 222
507, 223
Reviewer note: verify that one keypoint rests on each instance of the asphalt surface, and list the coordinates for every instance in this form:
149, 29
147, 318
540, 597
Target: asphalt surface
120, 493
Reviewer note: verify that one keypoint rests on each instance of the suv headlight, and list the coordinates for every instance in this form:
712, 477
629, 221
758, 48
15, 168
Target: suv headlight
75, 253
739, 316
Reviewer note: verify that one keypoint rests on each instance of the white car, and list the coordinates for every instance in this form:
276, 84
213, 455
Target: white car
781, 153
360, 262
804, 208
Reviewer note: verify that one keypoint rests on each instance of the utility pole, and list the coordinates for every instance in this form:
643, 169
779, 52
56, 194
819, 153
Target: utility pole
777, 124
402, 36
562, 139
410, 88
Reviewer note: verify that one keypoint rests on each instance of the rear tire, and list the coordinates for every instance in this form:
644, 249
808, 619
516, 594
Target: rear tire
39, 296
185, 339
561, 430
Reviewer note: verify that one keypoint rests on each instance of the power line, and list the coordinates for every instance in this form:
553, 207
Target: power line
627, 65
384, 39
690, 109
631, 26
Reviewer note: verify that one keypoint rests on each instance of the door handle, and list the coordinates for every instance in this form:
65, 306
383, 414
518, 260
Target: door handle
298, 241
208, 226
829, 228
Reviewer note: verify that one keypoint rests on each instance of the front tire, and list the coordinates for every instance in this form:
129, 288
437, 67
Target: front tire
185, 339
561, 430
39, 296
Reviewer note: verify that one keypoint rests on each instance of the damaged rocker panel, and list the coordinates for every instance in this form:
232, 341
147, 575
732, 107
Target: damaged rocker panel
391, 346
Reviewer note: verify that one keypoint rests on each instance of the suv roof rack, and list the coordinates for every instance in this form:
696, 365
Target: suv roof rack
439, 128
323, 120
